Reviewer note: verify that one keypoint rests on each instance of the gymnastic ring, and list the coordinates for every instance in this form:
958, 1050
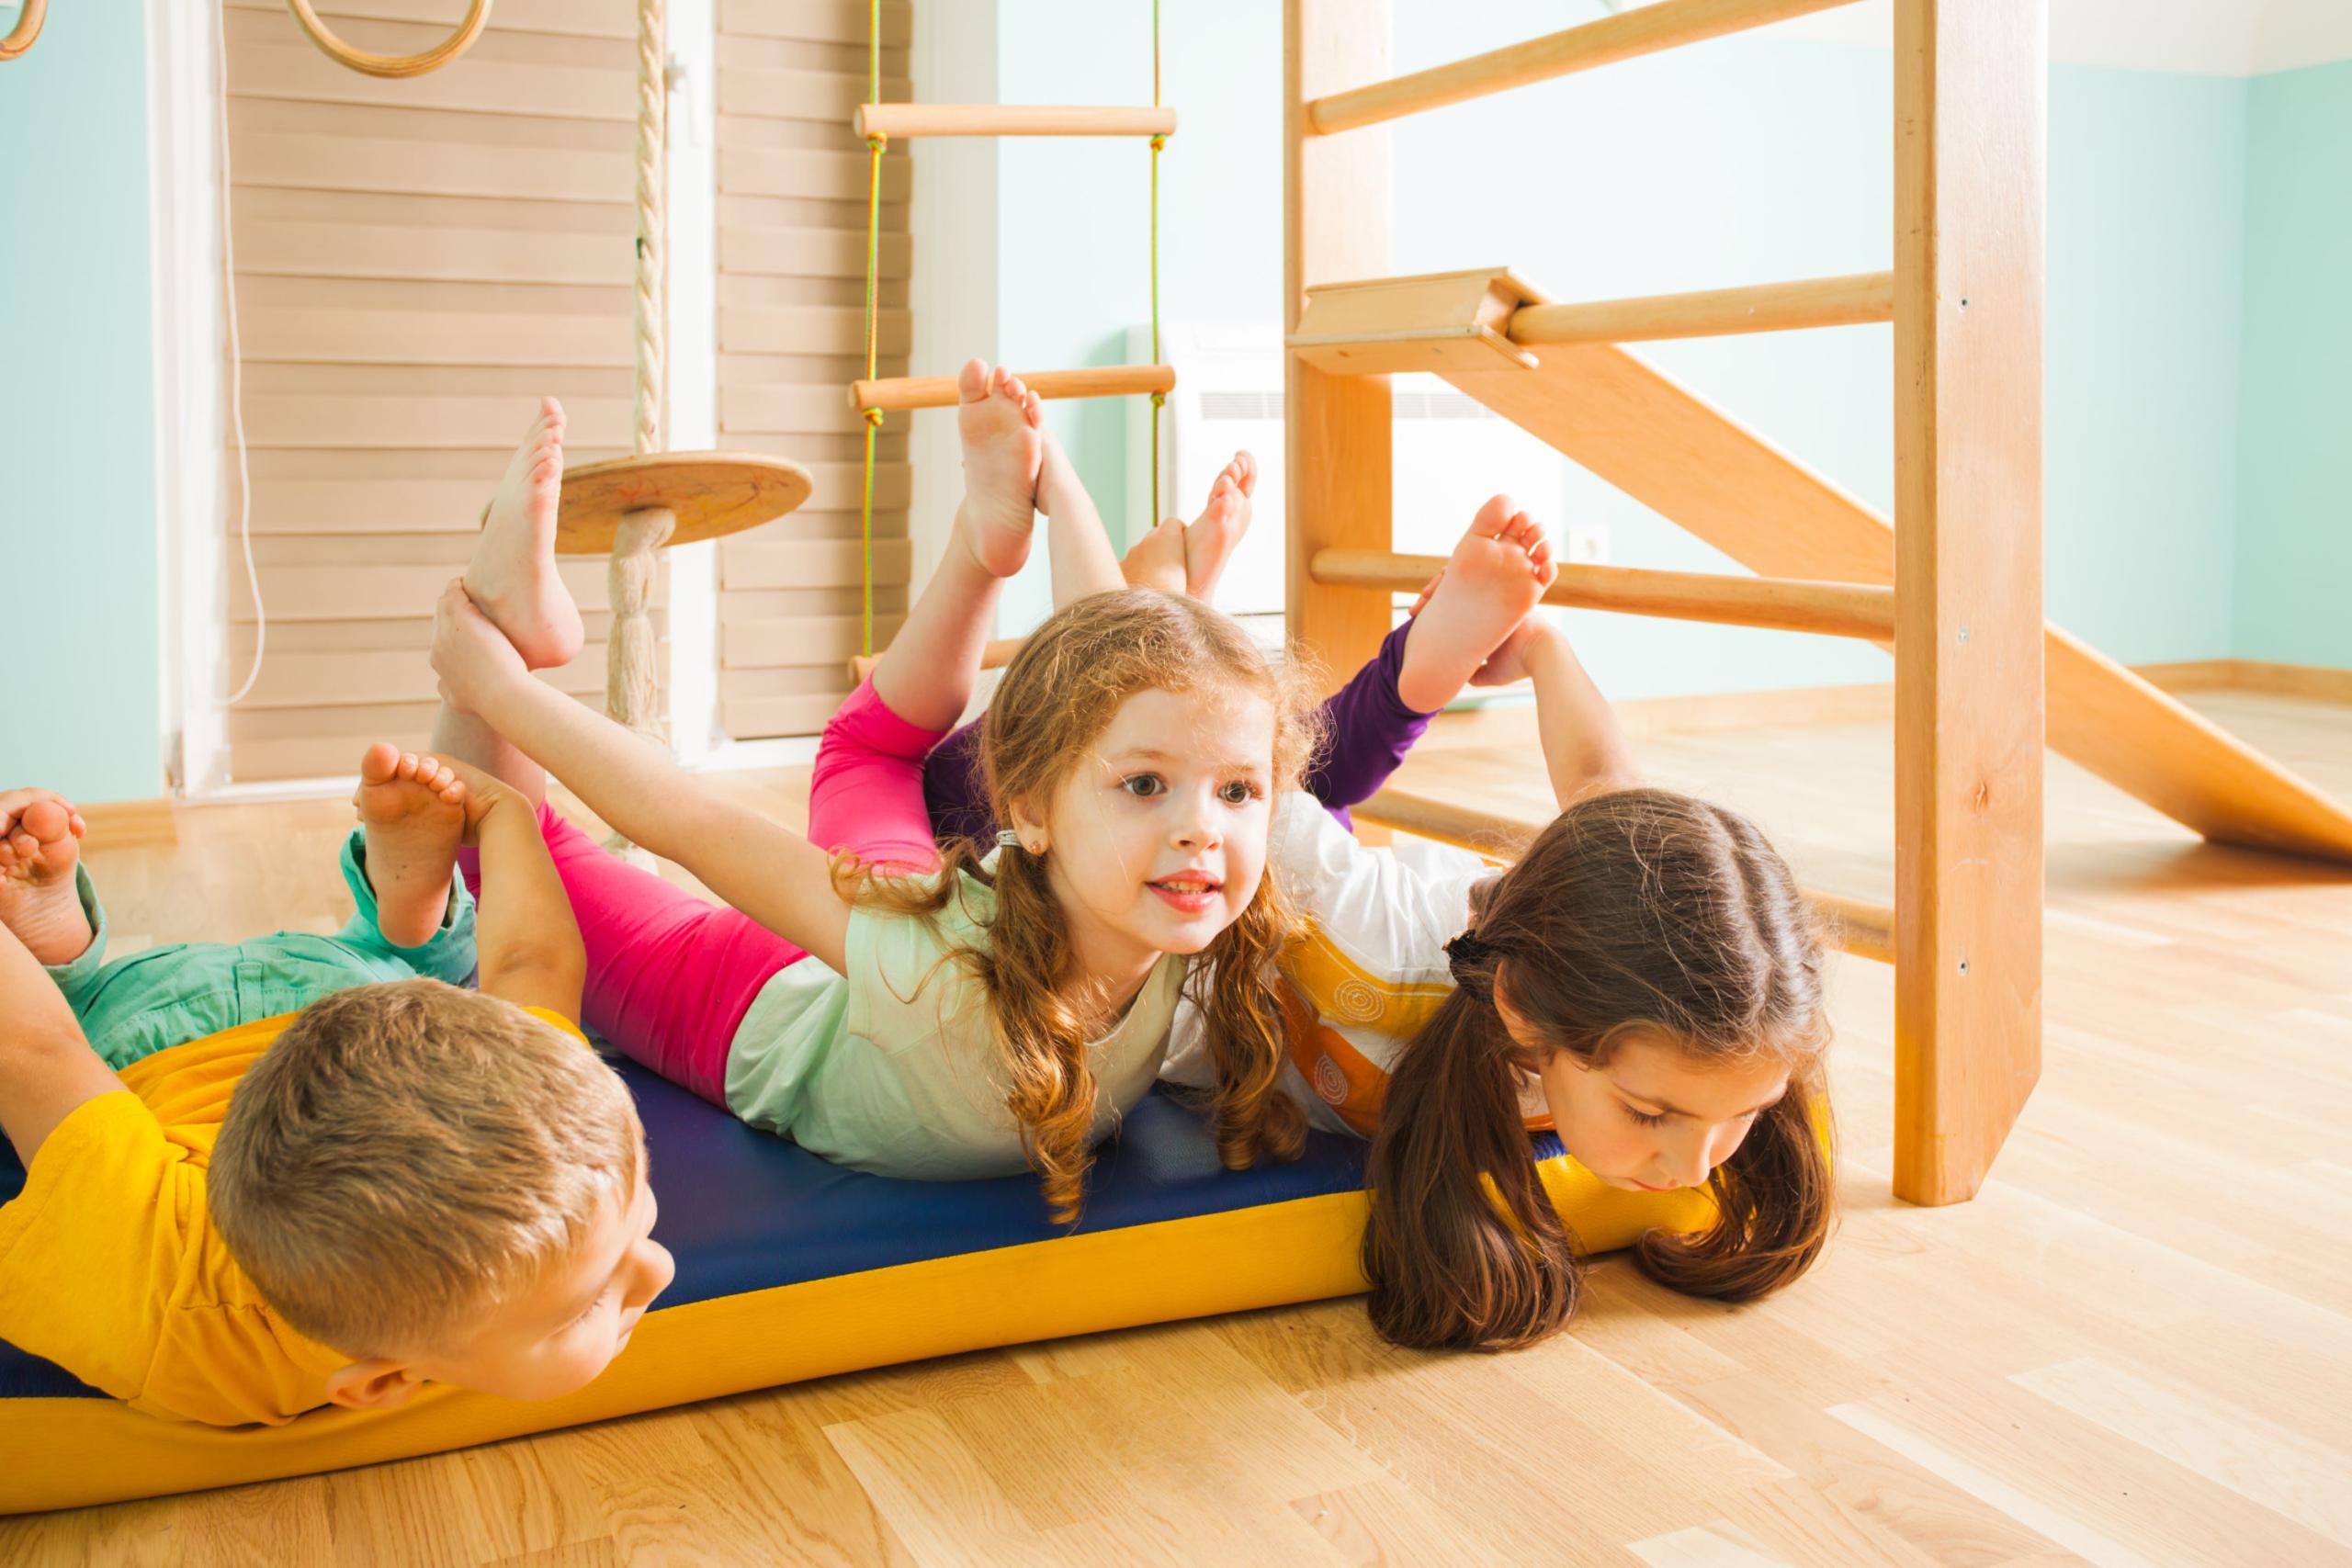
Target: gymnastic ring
393, 66
21, 38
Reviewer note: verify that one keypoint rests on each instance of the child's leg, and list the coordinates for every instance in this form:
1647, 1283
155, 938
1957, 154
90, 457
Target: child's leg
866, 794
513, 578
1076, 543
925, 676
400, 864
670, 975
1495, 577
40, 880
412, 814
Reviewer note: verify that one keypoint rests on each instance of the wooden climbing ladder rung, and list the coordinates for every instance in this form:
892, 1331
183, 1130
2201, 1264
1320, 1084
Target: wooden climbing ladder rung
1647, 30
939, 391
1779, 604
898, 121
1851, 300
1853, 925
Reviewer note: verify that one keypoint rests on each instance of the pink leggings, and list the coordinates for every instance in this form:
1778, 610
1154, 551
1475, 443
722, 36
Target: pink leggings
669, 974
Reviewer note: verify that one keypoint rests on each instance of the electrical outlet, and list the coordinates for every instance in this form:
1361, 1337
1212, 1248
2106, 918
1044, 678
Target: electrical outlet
1588, 543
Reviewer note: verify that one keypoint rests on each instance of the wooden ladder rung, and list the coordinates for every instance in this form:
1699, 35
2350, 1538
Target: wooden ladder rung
1851, 925
939, 391
896, 120
995, 656
1849, 301
1779, 603
1669, 24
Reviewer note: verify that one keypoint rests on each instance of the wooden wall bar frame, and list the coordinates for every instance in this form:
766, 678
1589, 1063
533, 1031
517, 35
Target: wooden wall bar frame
1336, 437
1968, 155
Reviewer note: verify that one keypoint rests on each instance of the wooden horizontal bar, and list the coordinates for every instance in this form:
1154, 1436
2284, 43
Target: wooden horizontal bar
1010, 119
1779, 604
939, 391
1850, 300
1669, 24
994, 655
1850, 925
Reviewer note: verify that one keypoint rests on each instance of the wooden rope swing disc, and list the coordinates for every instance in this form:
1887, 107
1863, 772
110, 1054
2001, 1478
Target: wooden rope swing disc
393, 66
20, 37
711, 493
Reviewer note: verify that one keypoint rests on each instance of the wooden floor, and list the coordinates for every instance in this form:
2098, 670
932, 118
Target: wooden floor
2135, 1346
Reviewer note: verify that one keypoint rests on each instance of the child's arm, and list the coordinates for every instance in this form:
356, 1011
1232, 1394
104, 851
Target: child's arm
772, 874
47, 1068
527, 943
1585, 749
1078, 547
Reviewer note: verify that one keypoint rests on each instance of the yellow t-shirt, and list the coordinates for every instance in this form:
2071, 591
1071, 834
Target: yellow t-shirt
111, 1265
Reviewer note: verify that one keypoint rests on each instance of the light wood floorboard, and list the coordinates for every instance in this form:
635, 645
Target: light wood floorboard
2135, 1346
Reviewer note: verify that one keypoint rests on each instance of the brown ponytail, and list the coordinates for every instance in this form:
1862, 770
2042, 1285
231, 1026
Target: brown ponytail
1638, 911
1455, 1262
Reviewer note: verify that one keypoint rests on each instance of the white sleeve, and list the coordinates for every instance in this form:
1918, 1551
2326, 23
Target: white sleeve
1391, 920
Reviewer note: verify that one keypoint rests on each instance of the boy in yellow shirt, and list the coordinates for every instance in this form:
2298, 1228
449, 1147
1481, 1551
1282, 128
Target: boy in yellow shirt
274, 1175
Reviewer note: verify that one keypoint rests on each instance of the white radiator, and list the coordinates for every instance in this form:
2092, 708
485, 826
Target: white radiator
1450, 453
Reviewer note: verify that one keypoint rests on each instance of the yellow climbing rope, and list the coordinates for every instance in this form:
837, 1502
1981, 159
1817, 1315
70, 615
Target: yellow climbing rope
1159, 145
876, 144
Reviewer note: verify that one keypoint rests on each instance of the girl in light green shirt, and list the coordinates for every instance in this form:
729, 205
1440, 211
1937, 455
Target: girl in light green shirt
891, 1009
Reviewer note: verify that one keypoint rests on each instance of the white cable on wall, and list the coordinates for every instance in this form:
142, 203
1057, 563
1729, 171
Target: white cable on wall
236, 375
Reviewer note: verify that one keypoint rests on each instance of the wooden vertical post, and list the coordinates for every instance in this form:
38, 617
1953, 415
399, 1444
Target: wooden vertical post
1335, 228
1970, 144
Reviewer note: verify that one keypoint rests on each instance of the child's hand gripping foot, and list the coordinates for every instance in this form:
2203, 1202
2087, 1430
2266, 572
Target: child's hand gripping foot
513, 575
1496, 575
1000, 422
40, 846
414, 808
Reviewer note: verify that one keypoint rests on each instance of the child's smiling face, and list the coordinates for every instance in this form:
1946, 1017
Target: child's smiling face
1155, 840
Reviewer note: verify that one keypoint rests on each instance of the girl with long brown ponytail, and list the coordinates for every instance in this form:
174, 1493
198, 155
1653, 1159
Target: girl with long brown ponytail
1645, 983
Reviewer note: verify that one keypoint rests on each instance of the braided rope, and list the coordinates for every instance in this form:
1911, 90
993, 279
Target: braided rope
652, 256
632, 683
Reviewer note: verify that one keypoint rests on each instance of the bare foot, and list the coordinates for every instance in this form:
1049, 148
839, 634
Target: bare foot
513, 574
40, 846
1209, 542
1157, 561
1493, 578
414, 808
1003, 447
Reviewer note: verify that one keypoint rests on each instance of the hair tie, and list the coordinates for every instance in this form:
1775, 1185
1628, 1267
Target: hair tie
1007, 839
1471, 962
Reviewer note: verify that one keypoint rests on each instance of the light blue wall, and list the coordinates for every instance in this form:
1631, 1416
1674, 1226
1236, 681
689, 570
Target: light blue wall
2295, 473
78, 618
1742, 161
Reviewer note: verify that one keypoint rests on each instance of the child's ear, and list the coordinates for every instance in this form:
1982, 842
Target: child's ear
1030, 830
376, 1385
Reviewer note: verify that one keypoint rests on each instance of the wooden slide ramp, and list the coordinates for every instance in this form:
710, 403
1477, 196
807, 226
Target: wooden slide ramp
1671, 450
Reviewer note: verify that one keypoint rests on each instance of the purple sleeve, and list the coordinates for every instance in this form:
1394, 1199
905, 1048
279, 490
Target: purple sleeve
955, 790
1368, 730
